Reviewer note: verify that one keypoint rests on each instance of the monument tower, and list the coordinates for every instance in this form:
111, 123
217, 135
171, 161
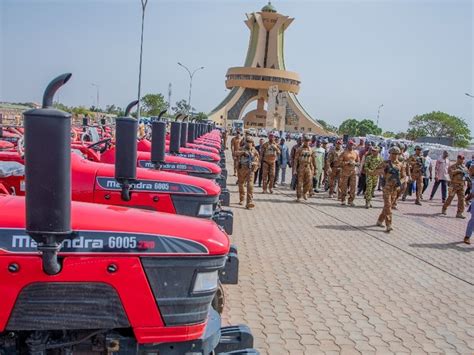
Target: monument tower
264, 78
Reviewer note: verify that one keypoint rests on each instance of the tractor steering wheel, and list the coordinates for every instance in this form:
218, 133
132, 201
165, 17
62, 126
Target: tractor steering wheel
96, 146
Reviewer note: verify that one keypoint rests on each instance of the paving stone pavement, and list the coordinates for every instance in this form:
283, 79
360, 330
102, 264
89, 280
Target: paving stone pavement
319, 278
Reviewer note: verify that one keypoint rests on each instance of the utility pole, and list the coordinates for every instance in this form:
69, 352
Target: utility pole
97, 96
191, 75
144, 3
169, 97
378, 114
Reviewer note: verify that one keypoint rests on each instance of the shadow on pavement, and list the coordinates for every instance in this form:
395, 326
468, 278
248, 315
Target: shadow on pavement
348, 227
444, 246
430, 215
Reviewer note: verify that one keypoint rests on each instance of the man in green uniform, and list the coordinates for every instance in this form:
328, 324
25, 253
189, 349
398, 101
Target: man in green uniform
391, 170
458, 175
333, 169
248, 163
270, 152
416, 166
305, 167
372, 161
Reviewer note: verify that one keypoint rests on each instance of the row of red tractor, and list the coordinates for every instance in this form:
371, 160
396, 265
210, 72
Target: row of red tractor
110, 244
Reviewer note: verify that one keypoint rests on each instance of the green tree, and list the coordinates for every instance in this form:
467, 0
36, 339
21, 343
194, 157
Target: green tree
401, 135
366, 127
153, 104
388, 134
440, 124
81, 110
327, 126
114, 110
350, 127
182, 106
201, 116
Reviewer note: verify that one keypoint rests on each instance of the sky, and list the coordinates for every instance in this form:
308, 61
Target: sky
412, 56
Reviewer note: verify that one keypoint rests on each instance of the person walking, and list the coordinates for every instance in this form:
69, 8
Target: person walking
391, 169
458, 174
235, 147
349, 161
284, 160
270, 151
371, 162
305, 161
441, 176
416, 166
333, 169
319, 153
248, 159
470, 223
299, 141
361, 184
427, 172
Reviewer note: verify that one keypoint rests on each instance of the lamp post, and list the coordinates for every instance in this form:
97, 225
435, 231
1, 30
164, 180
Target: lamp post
97, 96
191, 75
144, 3
471, 96
378, 114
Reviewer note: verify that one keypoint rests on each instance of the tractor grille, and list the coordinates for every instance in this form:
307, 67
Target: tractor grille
172, 282
74, 305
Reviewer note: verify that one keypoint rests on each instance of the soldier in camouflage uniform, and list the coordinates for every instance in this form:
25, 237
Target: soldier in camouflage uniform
270, 152
248, 163
235, 147
416, 166
391, 170
458, 175
402, 158
333, 169
305, 161
348, 161
372, 161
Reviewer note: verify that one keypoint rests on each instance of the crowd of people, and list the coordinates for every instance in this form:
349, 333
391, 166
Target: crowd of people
349, 170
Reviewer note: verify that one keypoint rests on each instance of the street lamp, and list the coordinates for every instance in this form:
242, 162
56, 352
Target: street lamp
98, 90
471, 96
144, 3
378, 114
191, 75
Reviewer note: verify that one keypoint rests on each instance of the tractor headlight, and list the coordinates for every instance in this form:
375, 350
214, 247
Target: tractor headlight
206, 281
205, 210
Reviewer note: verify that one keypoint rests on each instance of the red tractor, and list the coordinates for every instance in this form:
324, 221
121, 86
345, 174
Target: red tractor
80, 278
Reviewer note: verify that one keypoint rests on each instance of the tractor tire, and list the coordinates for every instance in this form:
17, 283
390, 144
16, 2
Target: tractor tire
219, 299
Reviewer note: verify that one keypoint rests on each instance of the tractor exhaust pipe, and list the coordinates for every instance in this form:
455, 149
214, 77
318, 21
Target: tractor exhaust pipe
191, 128
175, 137
126, 151
48, 176
161, 114
184, 134
158, 143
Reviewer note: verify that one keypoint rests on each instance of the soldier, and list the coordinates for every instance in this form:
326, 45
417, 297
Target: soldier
248, 164
416, 168
372, 161
235, 147
333, 169
391, 170
402, 158
305, 161
349, 160
270, 152
224, 138
293, 164
458, 174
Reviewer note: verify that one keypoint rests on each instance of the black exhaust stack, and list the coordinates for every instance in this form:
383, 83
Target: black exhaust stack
175, 137
48, 176
191, 128
158, 141
126, 150
184, 132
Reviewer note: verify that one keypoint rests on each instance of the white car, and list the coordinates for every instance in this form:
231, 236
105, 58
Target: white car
252, 132
262, 133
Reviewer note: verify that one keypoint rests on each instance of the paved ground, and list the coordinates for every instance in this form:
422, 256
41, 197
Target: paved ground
319, 278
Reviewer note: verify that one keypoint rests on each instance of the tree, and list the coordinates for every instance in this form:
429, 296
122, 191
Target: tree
350, 127
201, 116
388, 134
366, 127
182, 106
153, 104
440, 124
328, 127
401, 135
114, 110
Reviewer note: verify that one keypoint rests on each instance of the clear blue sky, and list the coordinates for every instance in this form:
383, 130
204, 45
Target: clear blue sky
412, 56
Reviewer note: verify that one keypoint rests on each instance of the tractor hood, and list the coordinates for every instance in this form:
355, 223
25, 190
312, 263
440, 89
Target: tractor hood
107, 230
152, 181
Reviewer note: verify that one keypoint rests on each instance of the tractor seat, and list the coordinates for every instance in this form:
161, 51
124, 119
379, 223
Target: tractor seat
11, 168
